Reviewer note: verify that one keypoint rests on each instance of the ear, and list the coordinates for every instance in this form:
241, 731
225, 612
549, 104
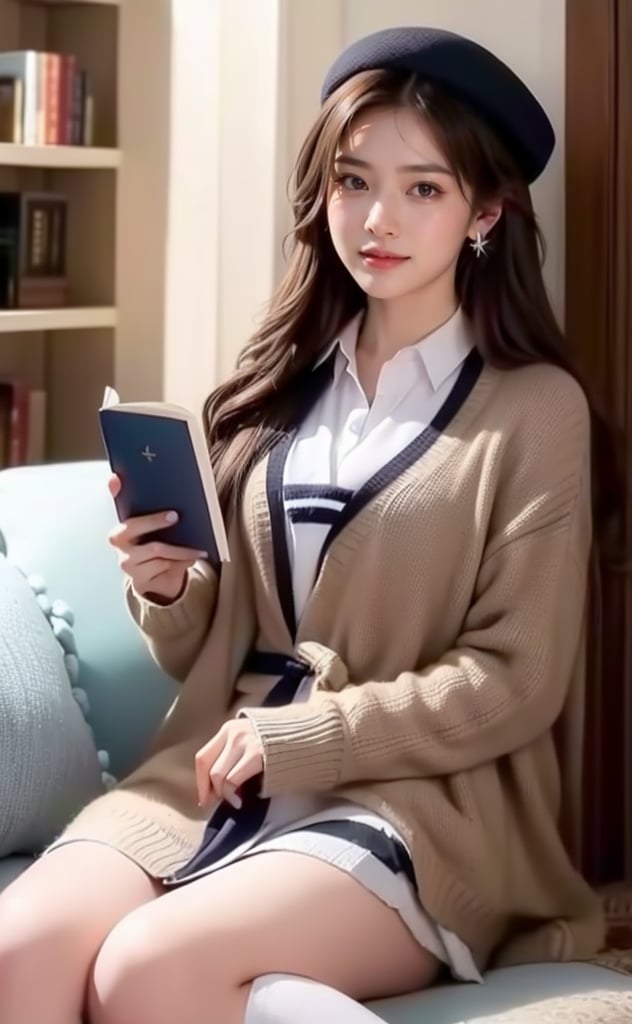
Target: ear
485, 220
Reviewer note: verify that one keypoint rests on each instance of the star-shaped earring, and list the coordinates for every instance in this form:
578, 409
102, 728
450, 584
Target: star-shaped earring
479, 245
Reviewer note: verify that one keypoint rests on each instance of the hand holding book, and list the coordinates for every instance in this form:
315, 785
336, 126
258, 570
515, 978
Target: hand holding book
159, 456
158, 570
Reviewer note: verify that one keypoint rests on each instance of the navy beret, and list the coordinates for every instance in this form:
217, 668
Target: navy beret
468, 71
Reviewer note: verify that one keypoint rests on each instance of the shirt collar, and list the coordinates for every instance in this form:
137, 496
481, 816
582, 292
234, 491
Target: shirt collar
348, 336
441, 352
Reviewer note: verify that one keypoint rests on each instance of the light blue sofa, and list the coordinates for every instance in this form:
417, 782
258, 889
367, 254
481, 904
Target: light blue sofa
55, 520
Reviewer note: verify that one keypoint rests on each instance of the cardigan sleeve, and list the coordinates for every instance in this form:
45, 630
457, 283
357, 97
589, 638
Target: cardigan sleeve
175, 633
501, 685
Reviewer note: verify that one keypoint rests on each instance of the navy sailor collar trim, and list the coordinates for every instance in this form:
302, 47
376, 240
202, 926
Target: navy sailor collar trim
387, 474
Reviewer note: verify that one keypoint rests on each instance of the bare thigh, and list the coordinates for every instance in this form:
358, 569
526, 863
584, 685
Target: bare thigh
200, 946
53, 919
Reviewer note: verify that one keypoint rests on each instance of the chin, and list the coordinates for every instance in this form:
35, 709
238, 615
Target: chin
385, 284
382, 288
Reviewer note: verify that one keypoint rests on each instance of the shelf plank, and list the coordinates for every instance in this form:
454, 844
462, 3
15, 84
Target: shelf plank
79, 157
61, 3
67, 319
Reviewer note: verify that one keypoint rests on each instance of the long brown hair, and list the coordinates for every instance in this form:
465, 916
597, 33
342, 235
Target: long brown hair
503, 294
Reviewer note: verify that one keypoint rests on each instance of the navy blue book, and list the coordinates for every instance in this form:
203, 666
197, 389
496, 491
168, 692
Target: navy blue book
160, 455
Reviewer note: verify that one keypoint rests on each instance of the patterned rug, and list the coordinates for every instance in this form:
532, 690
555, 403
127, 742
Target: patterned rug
599, 1006
618, 906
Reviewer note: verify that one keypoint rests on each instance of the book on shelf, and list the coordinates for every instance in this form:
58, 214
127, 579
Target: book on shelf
51, 102
33, 231
159, 452
11, 106
22, 424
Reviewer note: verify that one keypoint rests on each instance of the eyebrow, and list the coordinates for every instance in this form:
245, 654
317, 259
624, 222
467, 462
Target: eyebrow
430, 168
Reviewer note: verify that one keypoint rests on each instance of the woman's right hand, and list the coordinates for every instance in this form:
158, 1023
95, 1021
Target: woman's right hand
156, 569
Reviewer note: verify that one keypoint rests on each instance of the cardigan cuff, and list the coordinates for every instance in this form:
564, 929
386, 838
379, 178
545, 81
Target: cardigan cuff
194, 604
303, 746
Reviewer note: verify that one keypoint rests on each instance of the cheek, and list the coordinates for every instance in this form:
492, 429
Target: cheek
343, 218
440, 228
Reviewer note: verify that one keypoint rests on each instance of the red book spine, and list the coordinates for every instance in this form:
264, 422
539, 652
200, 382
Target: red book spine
52, 96
66, 94
19, 425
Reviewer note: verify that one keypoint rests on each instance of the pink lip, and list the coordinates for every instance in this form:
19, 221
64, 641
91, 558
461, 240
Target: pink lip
381, 258
383, 254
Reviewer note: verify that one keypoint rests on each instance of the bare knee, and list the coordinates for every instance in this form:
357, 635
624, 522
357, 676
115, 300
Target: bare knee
25, 924
54, 918
145, 966
125, 979
34, 943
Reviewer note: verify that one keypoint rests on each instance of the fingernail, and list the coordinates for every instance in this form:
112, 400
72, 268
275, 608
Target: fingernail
202, 554
235, 801
171, 517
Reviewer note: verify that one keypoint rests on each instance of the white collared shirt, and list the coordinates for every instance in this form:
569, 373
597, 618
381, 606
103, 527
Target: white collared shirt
344, 440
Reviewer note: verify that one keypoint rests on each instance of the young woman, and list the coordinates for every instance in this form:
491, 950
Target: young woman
380, 692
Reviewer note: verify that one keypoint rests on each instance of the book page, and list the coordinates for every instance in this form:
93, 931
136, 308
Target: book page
110, 398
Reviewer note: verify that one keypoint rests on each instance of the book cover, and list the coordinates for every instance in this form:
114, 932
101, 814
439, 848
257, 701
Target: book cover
24, 65
159, 453
35, 275
9, 266
14, 425
52, 97
11, 103
66, 100
36, 432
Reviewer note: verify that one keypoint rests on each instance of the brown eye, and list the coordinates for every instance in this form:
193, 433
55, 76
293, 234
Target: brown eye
352, 183
425, 190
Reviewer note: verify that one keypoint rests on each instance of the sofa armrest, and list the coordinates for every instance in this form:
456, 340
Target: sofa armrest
55, 520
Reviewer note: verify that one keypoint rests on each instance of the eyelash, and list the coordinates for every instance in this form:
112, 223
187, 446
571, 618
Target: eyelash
342, 178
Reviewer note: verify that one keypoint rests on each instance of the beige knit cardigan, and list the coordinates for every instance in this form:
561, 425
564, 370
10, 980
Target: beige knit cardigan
445, 632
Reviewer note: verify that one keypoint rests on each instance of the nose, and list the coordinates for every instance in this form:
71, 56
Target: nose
381, 220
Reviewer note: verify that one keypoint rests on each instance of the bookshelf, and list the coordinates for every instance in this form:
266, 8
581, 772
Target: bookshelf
71, 157
58, 3
70, 352
68, 318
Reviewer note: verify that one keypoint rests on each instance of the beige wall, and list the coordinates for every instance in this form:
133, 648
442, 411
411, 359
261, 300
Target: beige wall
207, 171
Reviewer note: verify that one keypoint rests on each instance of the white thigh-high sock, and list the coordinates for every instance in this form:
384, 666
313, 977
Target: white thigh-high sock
288, 999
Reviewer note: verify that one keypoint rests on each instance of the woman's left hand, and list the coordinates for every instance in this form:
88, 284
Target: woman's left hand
229, 759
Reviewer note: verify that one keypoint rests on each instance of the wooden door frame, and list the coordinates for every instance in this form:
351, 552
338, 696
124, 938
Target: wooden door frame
598, 303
